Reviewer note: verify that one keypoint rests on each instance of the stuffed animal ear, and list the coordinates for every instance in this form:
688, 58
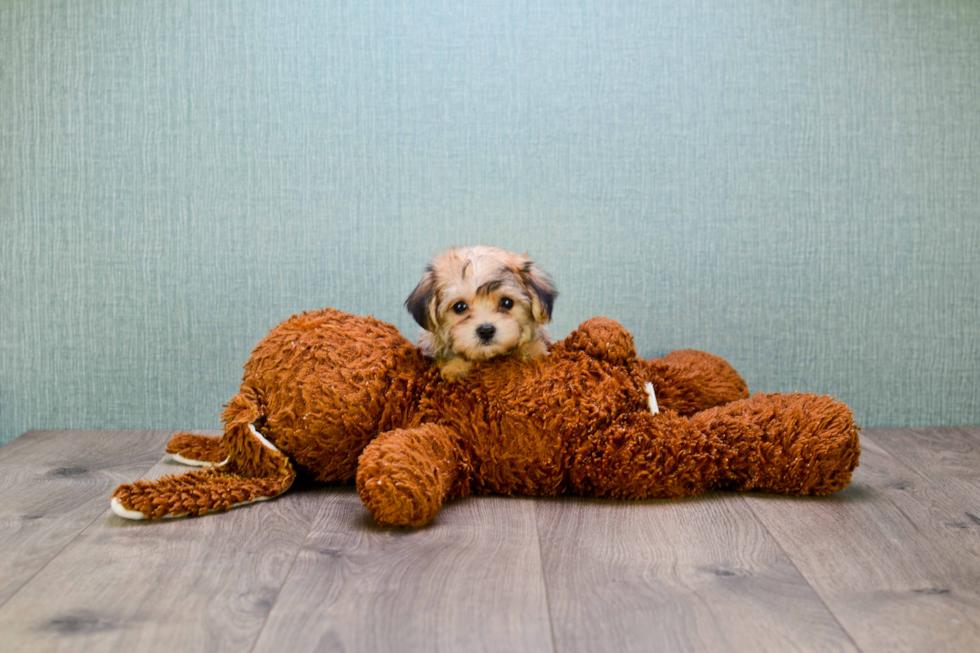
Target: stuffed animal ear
542, 289
422, 302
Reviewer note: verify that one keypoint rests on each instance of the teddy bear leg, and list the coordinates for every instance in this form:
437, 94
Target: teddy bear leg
689, 381
254, 470
194, 493
196, 450
645, 456
787, 443
405, 475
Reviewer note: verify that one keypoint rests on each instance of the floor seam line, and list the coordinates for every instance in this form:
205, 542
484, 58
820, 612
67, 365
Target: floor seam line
813, 589
544, 580
285, 579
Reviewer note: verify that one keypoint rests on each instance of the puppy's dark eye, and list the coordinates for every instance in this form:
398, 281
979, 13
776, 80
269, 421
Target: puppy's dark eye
460, 307
506, 303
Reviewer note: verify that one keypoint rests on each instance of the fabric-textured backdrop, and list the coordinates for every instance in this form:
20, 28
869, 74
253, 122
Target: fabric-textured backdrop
792, 185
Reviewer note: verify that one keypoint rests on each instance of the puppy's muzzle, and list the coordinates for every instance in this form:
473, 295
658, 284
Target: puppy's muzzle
486, 332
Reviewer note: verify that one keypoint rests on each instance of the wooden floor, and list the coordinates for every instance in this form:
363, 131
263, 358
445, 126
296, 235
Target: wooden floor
890, 564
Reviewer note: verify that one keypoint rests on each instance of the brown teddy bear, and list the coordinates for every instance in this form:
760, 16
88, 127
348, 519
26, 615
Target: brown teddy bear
340, 398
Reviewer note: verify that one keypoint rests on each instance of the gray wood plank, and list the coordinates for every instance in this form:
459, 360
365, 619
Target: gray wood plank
471, 581
199, 584
53, 484
698, 574
892, 556
948, 456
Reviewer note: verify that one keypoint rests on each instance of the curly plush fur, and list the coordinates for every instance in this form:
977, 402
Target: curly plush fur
342, 398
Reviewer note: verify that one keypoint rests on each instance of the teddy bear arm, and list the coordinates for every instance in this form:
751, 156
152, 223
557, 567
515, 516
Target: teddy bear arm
405, 475
788, 443
689, 381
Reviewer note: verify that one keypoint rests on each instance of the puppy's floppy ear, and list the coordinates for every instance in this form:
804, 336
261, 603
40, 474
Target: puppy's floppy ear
542, 289
422, 302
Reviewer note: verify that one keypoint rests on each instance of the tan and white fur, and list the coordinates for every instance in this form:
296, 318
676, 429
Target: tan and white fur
475, 303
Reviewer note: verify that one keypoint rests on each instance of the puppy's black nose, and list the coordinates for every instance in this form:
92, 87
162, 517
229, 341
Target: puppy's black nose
486, 331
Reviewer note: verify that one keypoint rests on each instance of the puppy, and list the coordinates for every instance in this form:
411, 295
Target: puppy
479, 302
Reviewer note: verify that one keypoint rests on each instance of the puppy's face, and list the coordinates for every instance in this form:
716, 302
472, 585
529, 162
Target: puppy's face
481, 302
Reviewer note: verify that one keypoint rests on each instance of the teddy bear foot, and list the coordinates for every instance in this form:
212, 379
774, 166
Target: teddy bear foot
192, 494
197, 450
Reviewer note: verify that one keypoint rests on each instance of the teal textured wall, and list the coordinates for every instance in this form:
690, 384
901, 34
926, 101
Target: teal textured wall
792, 185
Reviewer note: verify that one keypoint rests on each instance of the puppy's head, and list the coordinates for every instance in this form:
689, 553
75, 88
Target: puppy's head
481, 302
